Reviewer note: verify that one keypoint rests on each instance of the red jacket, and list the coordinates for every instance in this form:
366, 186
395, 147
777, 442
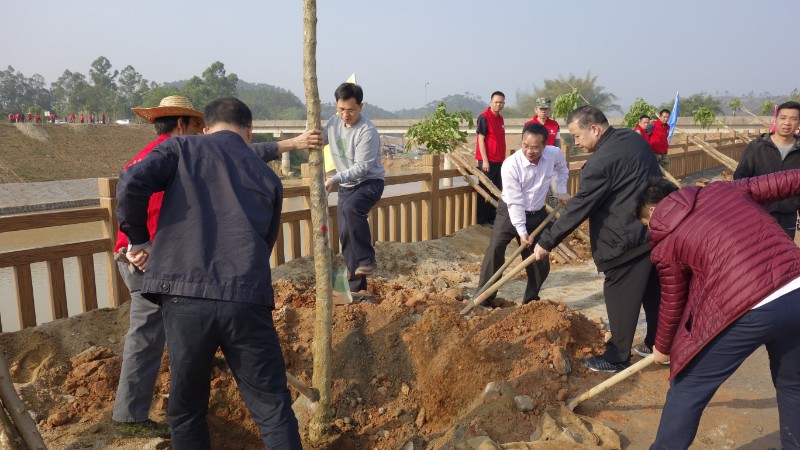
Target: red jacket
718, 254
154, 206
658, 138
552, 129
643, 132
495, 136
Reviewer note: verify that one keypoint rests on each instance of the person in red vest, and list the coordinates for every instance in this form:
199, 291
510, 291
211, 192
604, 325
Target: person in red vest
658, 138
490, 151
38, 118
11, 117
30, 117
53, 117
19, 118
72, 118
642, 126
543, 107
81, 118
103, 118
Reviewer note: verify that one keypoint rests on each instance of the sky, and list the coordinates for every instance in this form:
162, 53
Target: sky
406, 53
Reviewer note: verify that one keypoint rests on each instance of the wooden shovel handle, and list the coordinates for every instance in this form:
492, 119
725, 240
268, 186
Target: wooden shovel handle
650, 359
308, 392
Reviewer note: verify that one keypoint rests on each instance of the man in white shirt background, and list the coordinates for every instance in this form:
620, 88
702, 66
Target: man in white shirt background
526, 180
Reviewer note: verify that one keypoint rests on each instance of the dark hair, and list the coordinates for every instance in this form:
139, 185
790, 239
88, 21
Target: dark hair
346, 91
587, 116
497, 93
165, 125
536, 128
657, 189
665, 111
228, 110
644, 116
789, 105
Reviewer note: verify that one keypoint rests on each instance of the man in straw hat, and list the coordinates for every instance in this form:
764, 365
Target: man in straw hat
144, 343
210, 270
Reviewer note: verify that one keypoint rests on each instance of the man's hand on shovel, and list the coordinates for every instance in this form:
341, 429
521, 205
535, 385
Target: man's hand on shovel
540, 253
659, 357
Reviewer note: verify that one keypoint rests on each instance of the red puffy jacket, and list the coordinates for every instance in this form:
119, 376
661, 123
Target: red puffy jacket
718, 253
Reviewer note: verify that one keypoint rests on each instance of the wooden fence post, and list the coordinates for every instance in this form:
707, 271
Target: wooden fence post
430, 207
108, 201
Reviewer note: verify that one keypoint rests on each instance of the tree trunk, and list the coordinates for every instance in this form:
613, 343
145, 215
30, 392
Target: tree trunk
320, 425
17, 410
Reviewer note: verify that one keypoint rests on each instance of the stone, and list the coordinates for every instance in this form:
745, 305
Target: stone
561, 361
381, 410
561, 395
440, 285
420, 418
523, 403
483, 443
383, 433
59, 418
405, 389
491, 391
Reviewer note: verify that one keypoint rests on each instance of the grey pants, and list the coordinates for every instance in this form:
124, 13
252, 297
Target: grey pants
141, 357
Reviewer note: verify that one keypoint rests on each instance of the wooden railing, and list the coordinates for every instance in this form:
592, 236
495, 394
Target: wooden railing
429, 213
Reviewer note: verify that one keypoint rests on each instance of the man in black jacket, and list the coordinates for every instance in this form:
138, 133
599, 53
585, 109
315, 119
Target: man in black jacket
210, 270
620, 165
773, 152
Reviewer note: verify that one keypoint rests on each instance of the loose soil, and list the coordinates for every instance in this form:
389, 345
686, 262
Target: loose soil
409, 371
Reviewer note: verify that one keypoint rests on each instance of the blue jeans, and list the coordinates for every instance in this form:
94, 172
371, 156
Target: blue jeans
195, 327
352, 211
774, 325
141, 356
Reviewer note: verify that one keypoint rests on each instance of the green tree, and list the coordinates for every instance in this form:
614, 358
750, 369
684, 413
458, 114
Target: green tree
104, 87
694, 102
704, 117
767, 108
638, 109
441, 131
215, 83
132, 90
587, 87
564, 104
71, 92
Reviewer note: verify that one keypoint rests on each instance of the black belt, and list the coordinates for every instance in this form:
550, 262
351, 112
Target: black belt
530, 213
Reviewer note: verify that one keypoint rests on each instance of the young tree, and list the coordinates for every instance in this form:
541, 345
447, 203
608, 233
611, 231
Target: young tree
638, 109
441, 131
322, 379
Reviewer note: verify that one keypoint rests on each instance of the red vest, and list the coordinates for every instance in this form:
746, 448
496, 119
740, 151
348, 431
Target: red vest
658, 140
552, 129
495, 138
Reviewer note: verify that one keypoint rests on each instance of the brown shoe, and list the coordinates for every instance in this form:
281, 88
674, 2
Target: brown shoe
366, 269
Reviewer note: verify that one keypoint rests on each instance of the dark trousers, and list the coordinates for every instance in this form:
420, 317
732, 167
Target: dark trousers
354, 233
502, 233
774, 325
485, 212
195, 327
787, 221
627, 288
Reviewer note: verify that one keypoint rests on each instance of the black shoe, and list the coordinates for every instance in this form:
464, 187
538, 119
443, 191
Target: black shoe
599, 364
146, 429
534, 299
643, 350
366, 269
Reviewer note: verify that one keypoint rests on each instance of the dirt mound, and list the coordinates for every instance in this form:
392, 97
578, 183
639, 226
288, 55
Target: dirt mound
407, 368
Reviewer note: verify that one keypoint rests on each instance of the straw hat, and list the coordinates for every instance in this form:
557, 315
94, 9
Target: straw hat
172, 106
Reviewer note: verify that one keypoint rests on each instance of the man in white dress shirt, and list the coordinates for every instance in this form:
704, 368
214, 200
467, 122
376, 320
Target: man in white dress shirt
526, 180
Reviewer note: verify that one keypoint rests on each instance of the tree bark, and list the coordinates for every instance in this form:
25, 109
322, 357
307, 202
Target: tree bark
320, 425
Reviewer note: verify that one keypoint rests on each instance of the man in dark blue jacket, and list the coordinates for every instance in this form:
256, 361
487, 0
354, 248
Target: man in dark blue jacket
210, 270
618, 170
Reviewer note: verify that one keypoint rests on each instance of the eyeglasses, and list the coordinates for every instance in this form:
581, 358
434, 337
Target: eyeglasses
346, 111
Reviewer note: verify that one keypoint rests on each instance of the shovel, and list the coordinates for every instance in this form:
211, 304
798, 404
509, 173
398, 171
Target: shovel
307, 391
479, 295
650, 359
